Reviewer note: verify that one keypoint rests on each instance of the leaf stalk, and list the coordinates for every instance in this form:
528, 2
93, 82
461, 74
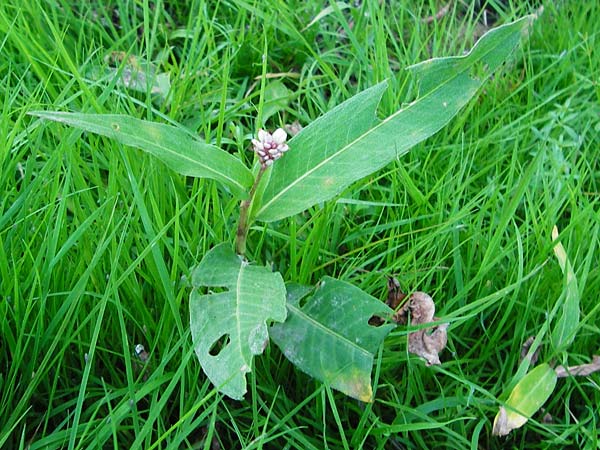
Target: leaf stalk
244, 225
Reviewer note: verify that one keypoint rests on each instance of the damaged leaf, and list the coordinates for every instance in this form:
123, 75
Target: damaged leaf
581, 370
395, 297
328, 336
427, 342
528, 396
131, 72
230, 327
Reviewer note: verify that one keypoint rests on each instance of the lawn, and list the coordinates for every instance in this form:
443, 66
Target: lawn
98, 240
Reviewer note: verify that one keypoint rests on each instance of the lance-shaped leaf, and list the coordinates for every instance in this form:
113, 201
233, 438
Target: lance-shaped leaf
230, 327
346, 144
525, 399
329, 337
565, 327
173, 146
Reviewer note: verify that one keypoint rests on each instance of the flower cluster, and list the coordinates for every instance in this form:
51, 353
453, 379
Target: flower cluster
270, 147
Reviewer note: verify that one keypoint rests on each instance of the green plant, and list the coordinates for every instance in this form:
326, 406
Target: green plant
324, 331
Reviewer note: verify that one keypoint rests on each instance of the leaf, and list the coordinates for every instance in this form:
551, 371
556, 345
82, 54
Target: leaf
230, 327
277, 97
565, 328
425, 342
343, 146
173, 146
133, 72
325, 12
329, 337
525, 399
581, 370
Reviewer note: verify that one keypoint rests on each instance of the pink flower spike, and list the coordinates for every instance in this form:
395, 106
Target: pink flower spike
270, 147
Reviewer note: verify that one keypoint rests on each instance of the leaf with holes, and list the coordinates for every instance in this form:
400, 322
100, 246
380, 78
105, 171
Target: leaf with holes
329, 336
173, 146
348, 143
230, 327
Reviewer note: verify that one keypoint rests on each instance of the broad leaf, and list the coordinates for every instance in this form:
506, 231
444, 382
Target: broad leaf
345, 144
173, 146
525, 399
230, 327
329, 336
563, 331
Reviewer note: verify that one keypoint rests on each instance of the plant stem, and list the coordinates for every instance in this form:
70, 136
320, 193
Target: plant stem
243, 225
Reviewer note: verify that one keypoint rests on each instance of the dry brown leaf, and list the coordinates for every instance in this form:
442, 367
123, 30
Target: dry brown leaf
395, 294
394, 299
427, 342
581, 370
525, 350
418, 310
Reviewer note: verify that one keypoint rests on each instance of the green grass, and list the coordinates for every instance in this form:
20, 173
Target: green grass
96, 240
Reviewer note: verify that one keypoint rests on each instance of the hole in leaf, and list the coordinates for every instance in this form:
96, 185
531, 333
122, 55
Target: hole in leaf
303, 301
219, 345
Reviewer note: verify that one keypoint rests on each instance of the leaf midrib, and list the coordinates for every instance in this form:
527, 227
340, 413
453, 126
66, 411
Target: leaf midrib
329, 330
238, 302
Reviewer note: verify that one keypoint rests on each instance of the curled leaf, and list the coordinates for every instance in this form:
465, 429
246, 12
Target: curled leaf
427, 342
395, 297
581, 370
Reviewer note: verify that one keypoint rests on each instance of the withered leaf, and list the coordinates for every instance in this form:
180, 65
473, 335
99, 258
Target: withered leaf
581, 370
395, 294
525, 351
394, 299
427, 342
418, 310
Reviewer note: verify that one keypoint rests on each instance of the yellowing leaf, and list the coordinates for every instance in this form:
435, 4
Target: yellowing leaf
329, 336
525, 399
